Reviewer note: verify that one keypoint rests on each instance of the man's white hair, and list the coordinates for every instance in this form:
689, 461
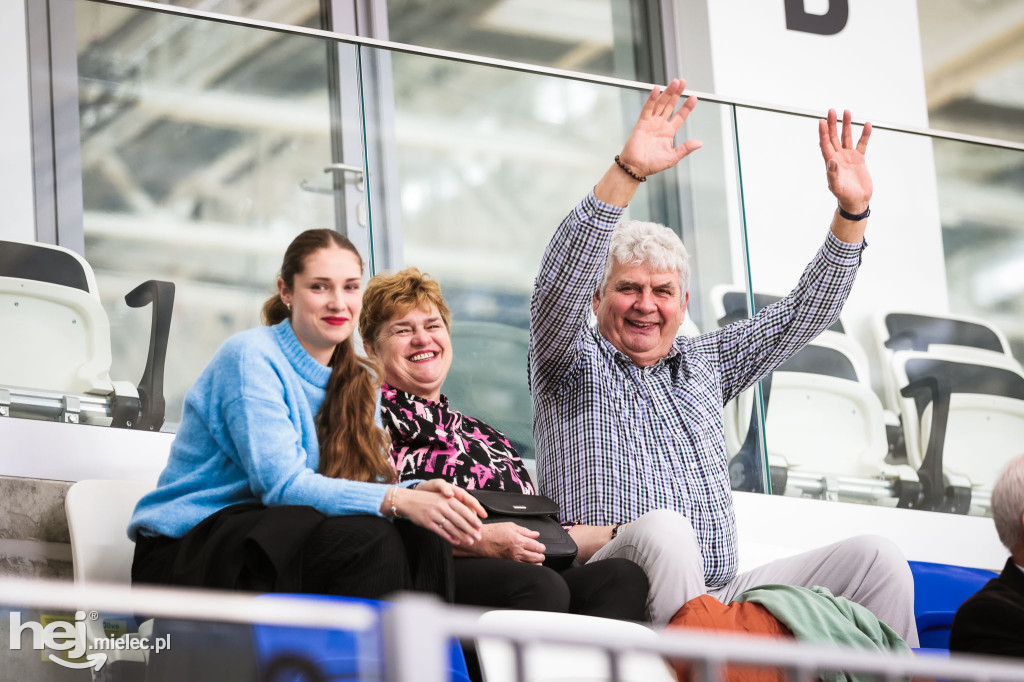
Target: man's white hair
650, 244
1008, 503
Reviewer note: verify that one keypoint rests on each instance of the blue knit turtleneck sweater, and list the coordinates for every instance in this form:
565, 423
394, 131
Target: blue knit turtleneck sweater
248, 434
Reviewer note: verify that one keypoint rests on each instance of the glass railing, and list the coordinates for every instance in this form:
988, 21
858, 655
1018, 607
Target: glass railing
914, 398
485, 177
203, 153
606, 37
204, 144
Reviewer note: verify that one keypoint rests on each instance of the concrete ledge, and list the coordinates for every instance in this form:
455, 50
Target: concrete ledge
33, 509
34, 540
30, 559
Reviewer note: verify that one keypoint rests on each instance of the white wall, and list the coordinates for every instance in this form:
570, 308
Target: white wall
31, 448
17, 219
772, 527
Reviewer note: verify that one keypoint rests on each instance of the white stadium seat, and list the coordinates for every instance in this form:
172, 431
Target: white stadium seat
55, 348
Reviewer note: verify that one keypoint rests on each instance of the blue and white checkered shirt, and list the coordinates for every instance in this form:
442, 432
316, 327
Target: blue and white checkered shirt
615, 440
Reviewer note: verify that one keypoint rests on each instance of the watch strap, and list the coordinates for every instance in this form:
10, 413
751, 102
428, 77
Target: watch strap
855, 216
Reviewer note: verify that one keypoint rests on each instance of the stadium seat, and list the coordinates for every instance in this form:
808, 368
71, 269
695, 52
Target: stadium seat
963, 419
827, 429
55, 353
731, 303
905, 330
939, 590
565, 663
831, 433
98, 512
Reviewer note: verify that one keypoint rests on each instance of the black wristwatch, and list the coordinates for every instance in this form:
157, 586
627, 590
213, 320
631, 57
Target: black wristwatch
855, 216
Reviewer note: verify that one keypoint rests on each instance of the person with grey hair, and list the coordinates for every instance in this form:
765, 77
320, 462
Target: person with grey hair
992, 621
635, 241
628, 418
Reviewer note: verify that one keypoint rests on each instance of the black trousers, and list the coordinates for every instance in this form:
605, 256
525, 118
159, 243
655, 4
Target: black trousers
279, 549
298, 549
610, 588
371, 557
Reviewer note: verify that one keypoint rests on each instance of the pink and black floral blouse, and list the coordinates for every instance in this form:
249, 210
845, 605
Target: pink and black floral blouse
431, 440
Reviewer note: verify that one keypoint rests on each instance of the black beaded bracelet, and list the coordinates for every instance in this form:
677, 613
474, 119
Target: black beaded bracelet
630, 174
615, 529
855, 216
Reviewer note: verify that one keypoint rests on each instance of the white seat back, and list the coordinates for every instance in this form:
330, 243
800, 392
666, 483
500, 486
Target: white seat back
985, 426
562, 663
730, 302
98, 514
688, 328
947, 334
913, 427
842, 357
55, 338
825, 424
983, 433
850, 348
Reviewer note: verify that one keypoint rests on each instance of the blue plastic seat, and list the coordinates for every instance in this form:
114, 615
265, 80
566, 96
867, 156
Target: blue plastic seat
939, 590
285, 653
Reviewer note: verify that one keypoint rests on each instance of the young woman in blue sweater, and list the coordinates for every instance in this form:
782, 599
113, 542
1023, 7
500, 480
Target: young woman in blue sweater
278, 478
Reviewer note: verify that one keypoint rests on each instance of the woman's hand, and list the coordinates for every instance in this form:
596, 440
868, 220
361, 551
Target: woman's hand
507, 541
589, 539
442, 508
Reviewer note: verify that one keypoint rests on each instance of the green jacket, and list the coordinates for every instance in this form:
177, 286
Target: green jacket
817, 615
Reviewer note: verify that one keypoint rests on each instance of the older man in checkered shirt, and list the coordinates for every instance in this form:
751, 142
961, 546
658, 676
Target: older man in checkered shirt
628, 417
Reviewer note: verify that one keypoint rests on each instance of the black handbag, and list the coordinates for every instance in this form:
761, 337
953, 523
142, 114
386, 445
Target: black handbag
535, 512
